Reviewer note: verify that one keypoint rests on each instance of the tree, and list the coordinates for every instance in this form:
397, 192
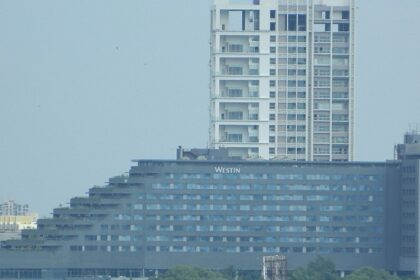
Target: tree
369, 273
229, 272
190, 273
250, 275
319, 269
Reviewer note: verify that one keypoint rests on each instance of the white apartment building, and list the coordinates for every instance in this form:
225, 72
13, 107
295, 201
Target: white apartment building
11, 208
282, 79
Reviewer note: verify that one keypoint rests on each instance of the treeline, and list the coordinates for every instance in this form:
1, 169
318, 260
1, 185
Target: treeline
320, 269
324, 269
195, 273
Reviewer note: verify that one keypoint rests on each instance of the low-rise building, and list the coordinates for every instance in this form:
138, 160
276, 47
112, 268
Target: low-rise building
15, 218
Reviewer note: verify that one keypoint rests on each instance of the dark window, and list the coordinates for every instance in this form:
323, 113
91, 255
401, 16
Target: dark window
302, 22
345, 14
300, 150
272, 94
343, 27
273, 14
272, 26
292, 22
328, 27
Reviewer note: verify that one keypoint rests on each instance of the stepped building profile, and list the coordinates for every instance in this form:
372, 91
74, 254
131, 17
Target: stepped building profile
282, 79
210, 210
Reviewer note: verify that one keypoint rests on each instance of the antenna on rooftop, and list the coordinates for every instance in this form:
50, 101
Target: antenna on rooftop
414, 128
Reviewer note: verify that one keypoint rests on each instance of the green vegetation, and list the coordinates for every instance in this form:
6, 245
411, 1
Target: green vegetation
190, 273
195, 273
369, 273
319, 269
324, 269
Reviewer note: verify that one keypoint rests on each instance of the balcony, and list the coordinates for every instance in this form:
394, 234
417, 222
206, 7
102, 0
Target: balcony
239, 49
239, 71
228, 93
239, 66
253, 117
254, 40
240, 134
239, 140
253, 65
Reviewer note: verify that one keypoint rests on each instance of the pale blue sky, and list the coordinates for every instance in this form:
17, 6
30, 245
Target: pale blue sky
86, 86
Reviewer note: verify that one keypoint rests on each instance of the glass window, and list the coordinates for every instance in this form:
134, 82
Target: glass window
292, 22
345, 14
272, 26
272, 13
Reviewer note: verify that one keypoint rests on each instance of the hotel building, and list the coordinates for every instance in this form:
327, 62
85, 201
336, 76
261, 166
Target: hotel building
209, 210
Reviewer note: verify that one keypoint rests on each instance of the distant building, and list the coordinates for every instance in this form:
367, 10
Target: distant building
11, 208
18, 223
274, 267
209, 210
12, 226
14, 218
409, 155
282, 79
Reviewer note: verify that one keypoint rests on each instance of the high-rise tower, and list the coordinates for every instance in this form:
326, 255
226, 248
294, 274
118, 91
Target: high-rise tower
282, 79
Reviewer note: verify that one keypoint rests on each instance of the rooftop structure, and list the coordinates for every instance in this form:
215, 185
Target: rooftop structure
274, 267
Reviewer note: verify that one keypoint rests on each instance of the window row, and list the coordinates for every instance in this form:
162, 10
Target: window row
320, 177
244, 249
270, 187
268, 239
228, 249
258, 197
285, 208
240, 218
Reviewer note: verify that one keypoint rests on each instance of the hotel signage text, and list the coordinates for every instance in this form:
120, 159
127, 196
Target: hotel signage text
227, 170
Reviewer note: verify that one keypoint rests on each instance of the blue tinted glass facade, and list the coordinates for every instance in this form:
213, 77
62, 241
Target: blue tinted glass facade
219, 213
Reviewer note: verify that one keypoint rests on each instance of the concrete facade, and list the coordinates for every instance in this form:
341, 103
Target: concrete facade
282, 79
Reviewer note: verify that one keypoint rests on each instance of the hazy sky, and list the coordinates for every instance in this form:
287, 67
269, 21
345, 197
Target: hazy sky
87, 86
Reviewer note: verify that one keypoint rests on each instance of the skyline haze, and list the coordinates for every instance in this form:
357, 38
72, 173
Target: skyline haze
86, 87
